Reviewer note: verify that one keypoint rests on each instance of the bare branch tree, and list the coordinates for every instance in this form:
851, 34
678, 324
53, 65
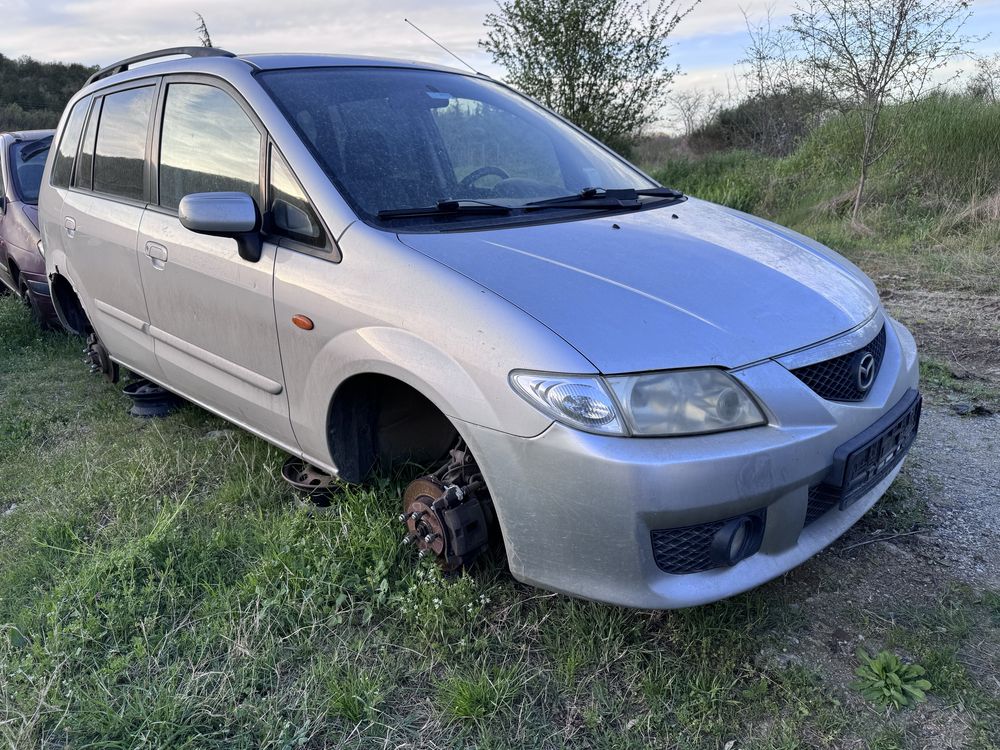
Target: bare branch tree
985, 82
693, 108
769, 58
203, 36
871, 53
600, 63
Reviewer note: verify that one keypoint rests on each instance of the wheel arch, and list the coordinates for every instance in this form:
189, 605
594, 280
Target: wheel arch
68, 307
15, 272
378, 420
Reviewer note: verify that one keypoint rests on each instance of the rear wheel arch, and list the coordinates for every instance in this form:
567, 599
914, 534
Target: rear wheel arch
15, 273
378, 420
68, 306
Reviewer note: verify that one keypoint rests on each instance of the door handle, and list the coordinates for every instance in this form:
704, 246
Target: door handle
157, 254
70, 224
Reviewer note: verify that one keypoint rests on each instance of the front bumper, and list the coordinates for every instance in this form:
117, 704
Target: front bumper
39, 286
577, 510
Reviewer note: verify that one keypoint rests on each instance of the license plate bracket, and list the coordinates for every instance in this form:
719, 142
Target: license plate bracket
861, 463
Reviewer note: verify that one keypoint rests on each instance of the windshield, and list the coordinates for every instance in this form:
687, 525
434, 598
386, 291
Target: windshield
396, 138
27, 161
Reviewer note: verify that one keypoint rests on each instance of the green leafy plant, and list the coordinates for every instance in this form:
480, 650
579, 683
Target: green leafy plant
887, 681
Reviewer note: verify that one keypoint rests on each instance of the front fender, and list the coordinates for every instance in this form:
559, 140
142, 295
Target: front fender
386, 309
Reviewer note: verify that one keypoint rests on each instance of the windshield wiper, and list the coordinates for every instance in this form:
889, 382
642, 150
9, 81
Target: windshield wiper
614, 198
447, 208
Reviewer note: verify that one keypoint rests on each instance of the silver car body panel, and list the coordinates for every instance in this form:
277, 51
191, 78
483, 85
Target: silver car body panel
685, 286
452, 314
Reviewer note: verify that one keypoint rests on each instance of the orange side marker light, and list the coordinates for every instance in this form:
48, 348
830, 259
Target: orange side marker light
303, 322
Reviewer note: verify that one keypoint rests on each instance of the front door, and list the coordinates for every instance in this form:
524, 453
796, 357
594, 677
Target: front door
211, 312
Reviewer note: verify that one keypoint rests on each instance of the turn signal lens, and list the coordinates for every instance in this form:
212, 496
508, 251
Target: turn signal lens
578, 401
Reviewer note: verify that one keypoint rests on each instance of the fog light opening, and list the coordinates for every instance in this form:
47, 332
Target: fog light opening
737, 540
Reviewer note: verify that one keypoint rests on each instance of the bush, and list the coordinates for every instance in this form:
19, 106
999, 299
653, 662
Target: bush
774, 124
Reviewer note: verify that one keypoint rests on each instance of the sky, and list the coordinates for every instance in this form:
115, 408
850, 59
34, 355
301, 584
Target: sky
707, 44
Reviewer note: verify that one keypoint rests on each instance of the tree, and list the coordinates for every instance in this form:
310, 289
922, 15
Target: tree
602, 64
985, 82
694, 108
33, 94
203, 36
871, 53
777, 105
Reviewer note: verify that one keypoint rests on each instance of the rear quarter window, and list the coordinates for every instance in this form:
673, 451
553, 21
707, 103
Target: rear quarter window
69, 141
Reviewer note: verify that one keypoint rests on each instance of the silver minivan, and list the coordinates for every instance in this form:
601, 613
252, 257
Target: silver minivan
651, 400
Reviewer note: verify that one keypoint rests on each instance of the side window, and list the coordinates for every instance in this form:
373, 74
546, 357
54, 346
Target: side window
291, 214
62, 164
120, 154
208, 144
85, 167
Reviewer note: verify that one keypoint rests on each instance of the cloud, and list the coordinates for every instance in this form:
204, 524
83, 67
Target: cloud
98, 32
101, 31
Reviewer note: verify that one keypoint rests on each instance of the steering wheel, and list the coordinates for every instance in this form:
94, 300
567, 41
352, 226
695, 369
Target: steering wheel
477, 174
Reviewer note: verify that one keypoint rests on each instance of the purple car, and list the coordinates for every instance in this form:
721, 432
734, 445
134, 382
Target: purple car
22, 265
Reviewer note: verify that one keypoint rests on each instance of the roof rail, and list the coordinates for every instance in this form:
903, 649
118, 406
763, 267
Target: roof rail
122, 65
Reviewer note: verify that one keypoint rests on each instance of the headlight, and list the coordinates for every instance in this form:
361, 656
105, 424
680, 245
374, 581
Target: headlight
578, 401
41, 250
685, 402
678, 402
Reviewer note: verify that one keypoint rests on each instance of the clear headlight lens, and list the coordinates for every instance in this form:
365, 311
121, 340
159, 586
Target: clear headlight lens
580, 402
685, 402
41, 250
677, 402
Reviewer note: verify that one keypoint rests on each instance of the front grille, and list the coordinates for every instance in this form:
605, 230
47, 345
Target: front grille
688, 549
836, 379
822, 499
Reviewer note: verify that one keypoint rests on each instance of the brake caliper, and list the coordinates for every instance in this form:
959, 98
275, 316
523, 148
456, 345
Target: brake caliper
449, 514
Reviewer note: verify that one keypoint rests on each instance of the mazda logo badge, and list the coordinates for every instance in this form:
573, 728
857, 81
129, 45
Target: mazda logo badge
865, 372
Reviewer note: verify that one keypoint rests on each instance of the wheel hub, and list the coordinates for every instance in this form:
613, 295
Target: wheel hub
449, 514
99, 360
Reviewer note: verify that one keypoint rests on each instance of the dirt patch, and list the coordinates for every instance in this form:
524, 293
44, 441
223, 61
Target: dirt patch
958, 328
860, 585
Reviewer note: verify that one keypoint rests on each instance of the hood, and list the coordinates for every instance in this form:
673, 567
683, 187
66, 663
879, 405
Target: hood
681, 286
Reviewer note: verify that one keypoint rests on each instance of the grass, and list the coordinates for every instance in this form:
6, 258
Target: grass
932, 211
940, 380
160, 587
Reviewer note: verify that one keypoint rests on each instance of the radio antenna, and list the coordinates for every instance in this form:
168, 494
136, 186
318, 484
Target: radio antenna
407, 20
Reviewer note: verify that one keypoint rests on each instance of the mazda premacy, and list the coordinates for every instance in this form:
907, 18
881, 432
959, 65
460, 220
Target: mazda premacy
650, 400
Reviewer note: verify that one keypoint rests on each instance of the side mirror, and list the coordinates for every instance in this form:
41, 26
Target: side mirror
224, 215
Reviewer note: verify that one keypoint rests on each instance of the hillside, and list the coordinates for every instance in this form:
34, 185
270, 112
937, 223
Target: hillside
33, 93
932, 211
